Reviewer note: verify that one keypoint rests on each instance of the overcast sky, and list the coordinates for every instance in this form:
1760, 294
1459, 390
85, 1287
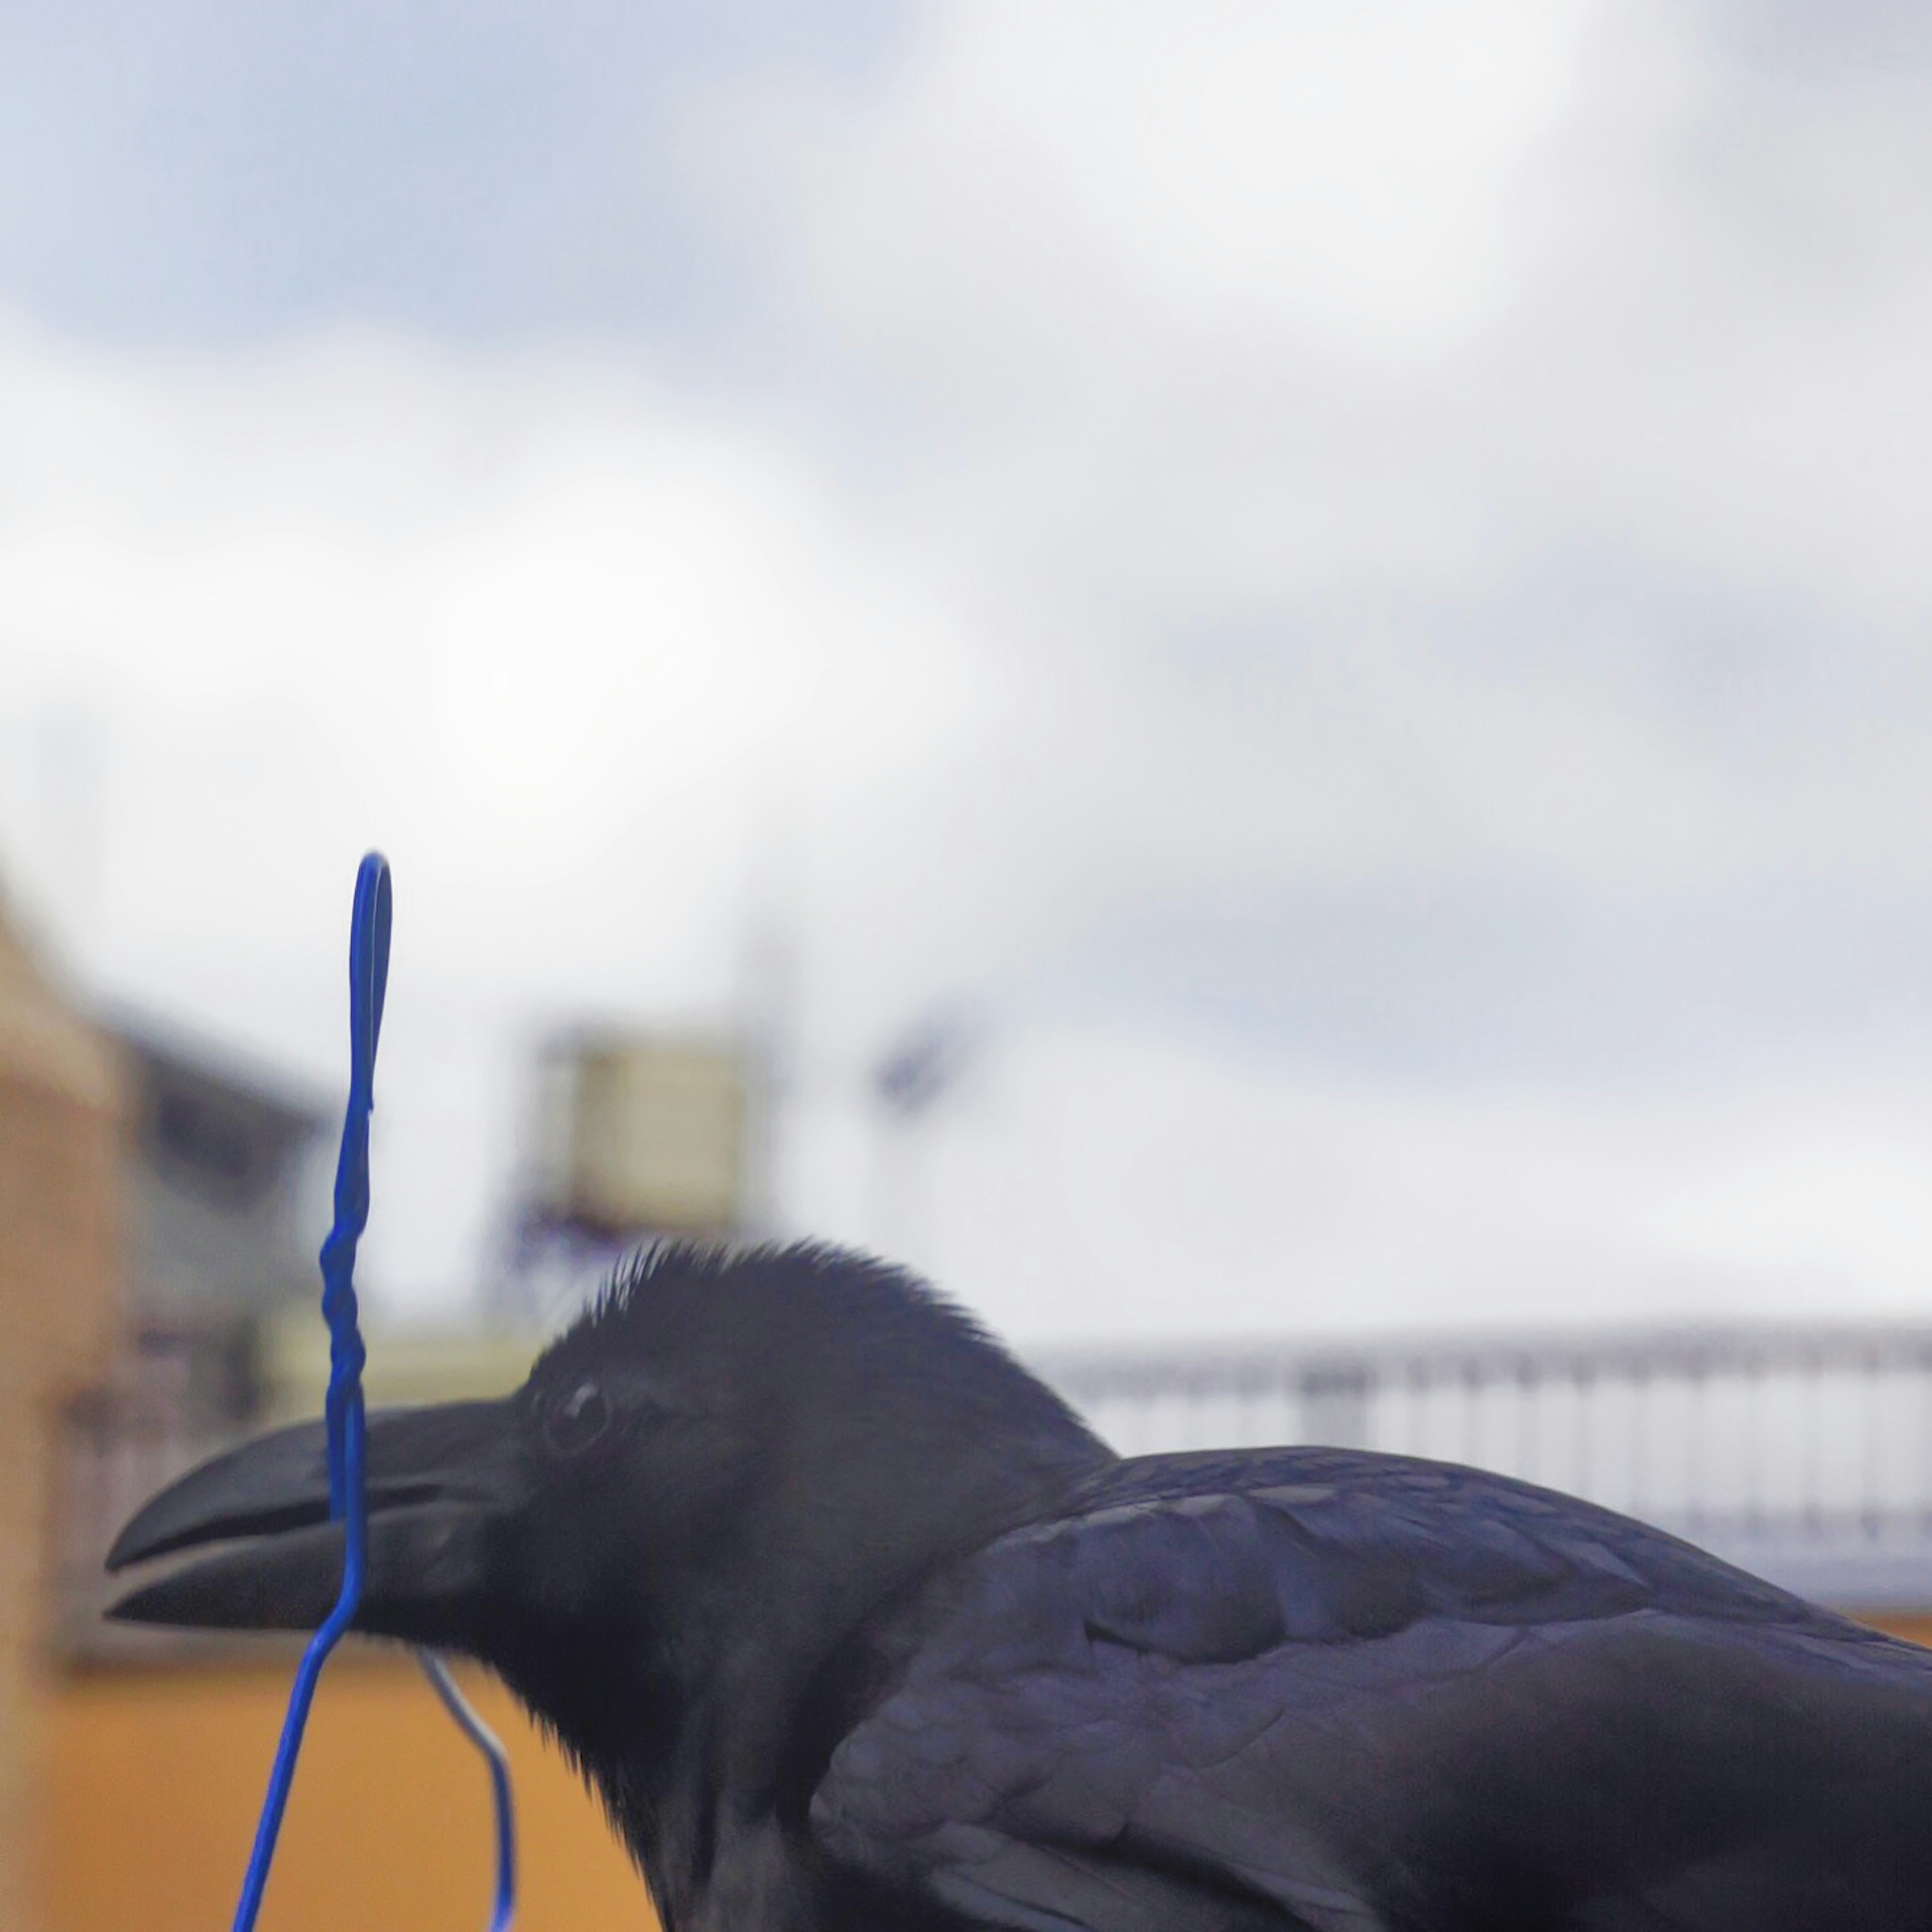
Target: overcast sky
1349, 581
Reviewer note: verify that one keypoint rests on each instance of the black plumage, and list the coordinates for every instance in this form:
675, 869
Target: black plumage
857, 1628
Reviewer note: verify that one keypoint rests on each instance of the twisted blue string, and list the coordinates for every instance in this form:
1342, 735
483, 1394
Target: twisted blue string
368, 980
348, 1502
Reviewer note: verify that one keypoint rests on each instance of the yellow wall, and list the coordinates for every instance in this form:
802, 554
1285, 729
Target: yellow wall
154, 1776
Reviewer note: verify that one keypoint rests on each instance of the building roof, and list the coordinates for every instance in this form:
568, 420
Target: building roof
168, 1047
44, 1040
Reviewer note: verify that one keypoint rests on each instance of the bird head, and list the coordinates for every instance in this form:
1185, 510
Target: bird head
700, 1489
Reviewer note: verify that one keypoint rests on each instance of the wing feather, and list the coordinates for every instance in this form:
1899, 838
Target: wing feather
1356, 1694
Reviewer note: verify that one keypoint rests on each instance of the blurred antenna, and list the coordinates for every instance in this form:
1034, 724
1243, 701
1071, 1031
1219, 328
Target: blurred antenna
926, 1062
909, 1080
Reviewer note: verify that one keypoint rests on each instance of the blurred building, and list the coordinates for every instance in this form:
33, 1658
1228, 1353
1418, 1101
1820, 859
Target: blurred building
219, 1151
221, 1164
60, 1197
159, 1302
216, 1158
637, 1135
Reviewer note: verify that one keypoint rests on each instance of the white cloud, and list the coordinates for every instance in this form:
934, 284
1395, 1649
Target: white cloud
1233, 311
1340, 172
554, 628
1469, 590
1191, 461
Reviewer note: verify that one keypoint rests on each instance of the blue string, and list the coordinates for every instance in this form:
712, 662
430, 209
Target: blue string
348, 1502
480, 1735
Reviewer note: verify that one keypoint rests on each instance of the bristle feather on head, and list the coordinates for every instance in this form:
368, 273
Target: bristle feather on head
784, 1302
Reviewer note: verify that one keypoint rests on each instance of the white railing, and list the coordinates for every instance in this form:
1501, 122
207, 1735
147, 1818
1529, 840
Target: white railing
1803, 1453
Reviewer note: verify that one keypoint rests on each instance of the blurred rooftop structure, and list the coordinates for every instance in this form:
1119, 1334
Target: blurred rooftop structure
637, 1134
219, 1151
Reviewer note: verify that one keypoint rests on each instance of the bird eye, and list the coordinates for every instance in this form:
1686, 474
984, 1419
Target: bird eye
572, 1426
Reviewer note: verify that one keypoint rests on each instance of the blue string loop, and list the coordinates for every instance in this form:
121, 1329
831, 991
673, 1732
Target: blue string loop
348, 1501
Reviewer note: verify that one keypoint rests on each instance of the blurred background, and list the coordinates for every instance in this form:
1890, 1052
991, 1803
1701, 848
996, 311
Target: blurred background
1253, 681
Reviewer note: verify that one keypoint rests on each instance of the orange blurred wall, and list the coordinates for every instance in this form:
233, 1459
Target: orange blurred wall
153, 1777
156, 1774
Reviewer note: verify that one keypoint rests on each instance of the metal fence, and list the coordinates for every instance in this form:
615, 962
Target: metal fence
1804, 1454
114, 1447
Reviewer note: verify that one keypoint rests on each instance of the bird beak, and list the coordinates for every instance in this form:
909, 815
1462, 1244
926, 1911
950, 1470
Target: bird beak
438, 1480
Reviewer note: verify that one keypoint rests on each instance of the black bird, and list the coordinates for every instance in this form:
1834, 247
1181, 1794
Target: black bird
856, 1628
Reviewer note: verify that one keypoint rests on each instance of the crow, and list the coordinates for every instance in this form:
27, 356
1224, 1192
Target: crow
855, 1627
